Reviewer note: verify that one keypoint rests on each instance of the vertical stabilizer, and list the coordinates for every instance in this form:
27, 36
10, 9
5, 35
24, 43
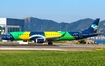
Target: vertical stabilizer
93, 27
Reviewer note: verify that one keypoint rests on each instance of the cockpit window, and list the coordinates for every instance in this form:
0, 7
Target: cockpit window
9, 36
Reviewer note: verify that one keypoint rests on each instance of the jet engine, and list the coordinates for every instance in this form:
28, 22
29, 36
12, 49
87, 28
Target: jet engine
39, 40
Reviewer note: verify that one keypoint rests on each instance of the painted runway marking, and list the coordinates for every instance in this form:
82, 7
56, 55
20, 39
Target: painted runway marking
29, 49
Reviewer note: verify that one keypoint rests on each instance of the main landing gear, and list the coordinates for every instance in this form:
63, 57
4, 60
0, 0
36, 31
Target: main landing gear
50, 43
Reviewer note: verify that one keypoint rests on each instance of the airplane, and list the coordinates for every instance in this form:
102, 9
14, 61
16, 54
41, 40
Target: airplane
50, 36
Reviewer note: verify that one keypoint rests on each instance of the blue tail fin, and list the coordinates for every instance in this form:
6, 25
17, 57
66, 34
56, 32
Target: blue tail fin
93, 27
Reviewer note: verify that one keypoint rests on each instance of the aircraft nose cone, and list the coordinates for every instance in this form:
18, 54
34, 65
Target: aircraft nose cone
3, 37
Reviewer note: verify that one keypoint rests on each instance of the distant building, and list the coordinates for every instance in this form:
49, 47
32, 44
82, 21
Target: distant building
10, 25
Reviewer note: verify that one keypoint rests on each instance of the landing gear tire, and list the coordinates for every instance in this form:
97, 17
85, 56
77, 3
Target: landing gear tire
11, 40
35, 42
50, 43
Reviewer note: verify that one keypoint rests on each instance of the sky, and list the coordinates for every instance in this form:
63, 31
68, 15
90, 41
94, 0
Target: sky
57, 10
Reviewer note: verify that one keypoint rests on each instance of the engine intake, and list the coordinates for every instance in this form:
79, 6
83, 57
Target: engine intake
39, 40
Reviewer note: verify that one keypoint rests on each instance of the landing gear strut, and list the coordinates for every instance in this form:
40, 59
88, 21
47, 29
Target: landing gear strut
50, 43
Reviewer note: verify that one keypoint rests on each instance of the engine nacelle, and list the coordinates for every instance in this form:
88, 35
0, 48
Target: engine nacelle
39, 40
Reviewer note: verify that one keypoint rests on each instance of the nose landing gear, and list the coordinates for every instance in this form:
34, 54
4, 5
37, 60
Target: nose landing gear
50, 43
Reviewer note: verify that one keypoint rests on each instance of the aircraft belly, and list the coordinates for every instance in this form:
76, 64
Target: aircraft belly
67, 38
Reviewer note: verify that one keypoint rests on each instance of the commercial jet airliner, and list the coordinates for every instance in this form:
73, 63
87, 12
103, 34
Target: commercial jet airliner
41, 37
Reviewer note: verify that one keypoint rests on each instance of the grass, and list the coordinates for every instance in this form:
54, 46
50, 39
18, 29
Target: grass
52, 58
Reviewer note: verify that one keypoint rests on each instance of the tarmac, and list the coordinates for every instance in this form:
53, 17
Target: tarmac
65, 47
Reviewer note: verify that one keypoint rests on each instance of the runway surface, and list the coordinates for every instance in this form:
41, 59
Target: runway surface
50, 47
